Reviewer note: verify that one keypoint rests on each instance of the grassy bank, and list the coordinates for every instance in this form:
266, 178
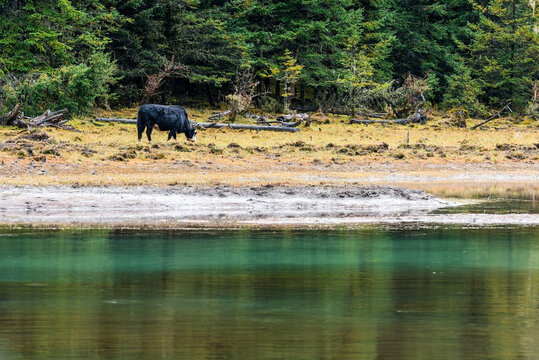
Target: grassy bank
434, 157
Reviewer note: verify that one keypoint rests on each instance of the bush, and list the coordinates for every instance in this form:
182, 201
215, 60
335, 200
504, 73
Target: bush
271, 105
238, 105
532, 110
463, 92
77, 88
373, 96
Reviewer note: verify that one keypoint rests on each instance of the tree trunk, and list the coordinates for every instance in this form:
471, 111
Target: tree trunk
267, 85
164, 92
278, 90
208, 94
316, 94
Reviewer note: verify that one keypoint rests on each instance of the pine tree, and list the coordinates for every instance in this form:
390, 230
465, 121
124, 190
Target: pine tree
288, 73
427, 35
193, 32
43, 35
504, 53
464, 92
324, 36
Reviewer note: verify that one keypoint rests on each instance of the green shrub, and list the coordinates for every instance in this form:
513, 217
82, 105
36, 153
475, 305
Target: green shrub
463, 92
77, 88
532, 110
271, 105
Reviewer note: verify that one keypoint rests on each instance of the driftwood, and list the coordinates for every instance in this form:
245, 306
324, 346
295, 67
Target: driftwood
246, 127
497, 115
96, 124
219, 115
293, 117
208, 125
376, 115
367, 121
418, 117
13, 117
285, 123
55, 119
260, 119
117, 120
285, 119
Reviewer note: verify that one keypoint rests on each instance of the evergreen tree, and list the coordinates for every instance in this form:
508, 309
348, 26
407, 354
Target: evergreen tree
43, 35
340, 53
192, 32
289, 74
427, 36
504, 53
463, 91
324, 36
378, 38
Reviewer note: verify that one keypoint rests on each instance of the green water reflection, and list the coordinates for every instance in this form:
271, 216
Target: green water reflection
507, 206
371, 294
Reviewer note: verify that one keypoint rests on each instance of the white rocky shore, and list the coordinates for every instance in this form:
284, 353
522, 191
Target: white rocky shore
223, 206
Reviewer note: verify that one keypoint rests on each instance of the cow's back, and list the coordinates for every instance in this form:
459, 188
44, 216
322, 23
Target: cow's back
166, 117
160, 112
148, 112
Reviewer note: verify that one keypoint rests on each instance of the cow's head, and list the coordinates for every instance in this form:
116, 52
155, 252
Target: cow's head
191, 134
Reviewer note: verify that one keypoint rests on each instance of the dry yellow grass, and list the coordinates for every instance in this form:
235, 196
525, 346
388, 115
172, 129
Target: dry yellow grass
329, 151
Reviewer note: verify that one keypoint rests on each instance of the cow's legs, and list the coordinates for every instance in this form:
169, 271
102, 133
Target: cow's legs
171, 134
149, 132
140, 131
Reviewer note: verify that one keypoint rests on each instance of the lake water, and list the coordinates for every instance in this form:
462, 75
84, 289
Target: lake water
442, 293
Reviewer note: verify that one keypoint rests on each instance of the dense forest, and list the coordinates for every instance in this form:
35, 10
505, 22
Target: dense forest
335, 55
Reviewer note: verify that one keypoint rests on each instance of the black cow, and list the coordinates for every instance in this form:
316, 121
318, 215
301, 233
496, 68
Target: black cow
169, 118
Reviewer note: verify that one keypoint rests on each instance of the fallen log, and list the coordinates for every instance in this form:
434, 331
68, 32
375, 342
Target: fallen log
285, 119
16, 118
123, 121
367, 121
245, 127
302, 116
260, 119
375, 115
49, 117
96, 124
219, 115
55, 119
12, 117
497, 115
418, 117
285, 124
209, 125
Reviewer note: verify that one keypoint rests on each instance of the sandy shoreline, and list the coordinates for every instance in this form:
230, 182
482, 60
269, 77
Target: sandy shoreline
232, 207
